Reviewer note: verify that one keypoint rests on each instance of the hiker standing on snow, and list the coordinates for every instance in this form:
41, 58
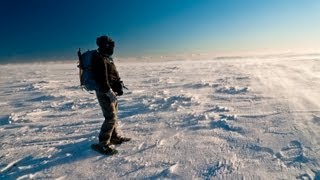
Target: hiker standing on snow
108, 80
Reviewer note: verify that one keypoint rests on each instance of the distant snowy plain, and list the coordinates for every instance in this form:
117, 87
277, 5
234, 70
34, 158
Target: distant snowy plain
224, 118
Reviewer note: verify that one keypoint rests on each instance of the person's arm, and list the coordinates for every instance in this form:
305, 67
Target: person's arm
112, 96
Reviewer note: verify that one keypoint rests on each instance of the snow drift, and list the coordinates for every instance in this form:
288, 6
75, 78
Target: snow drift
255, 118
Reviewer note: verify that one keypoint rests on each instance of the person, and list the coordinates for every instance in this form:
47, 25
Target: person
107, 77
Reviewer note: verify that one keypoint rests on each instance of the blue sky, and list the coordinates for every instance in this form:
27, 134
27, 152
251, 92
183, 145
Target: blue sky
54, 29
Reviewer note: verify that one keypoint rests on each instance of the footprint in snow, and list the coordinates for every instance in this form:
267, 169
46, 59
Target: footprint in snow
293, 154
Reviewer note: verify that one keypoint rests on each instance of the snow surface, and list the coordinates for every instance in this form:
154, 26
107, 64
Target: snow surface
227, 118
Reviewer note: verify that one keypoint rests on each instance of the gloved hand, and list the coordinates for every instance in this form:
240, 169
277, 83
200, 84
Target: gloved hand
111, 95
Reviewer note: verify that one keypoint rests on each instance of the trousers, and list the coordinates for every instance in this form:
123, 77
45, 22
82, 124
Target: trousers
110, 110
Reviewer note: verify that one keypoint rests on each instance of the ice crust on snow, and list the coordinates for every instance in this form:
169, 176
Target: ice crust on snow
227, 118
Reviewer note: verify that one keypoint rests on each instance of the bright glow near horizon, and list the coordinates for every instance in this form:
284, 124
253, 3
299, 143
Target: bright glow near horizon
55, 29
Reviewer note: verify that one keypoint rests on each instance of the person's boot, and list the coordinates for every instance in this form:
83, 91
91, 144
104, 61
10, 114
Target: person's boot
119, 140
104, 149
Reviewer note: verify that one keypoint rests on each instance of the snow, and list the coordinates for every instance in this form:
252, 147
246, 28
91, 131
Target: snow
223, 118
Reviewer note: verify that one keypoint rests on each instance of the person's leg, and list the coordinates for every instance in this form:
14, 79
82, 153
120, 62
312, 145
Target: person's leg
115, 137
110, 115
115, 132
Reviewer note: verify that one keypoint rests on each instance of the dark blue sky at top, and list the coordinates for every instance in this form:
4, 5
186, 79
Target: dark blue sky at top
54, 29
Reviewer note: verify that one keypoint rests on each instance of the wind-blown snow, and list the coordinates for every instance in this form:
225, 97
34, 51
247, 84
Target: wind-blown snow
252, 118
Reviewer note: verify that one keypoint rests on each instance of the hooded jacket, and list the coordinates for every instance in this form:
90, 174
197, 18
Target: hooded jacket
104, 72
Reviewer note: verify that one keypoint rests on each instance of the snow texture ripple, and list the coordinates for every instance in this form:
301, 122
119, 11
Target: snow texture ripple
247, 118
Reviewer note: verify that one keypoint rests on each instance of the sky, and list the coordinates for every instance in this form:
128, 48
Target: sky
55, 29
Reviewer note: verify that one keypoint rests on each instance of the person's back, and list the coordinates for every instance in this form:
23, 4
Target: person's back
105, 72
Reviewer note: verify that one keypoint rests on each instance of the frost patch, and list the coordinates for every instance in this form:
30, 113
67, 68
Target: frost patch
17, 117
220, 109
173, 103
28, 87
232, 90
217, 169
43, 98
223, 124
228, 116
201, 85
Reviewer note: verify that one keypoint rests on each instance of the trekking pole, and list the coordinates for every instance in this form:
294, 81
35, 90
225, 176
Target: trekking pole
79, 57
124, 85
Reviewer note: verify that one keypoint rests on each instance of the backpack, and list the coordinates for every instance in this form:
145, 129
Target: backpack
85, 70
